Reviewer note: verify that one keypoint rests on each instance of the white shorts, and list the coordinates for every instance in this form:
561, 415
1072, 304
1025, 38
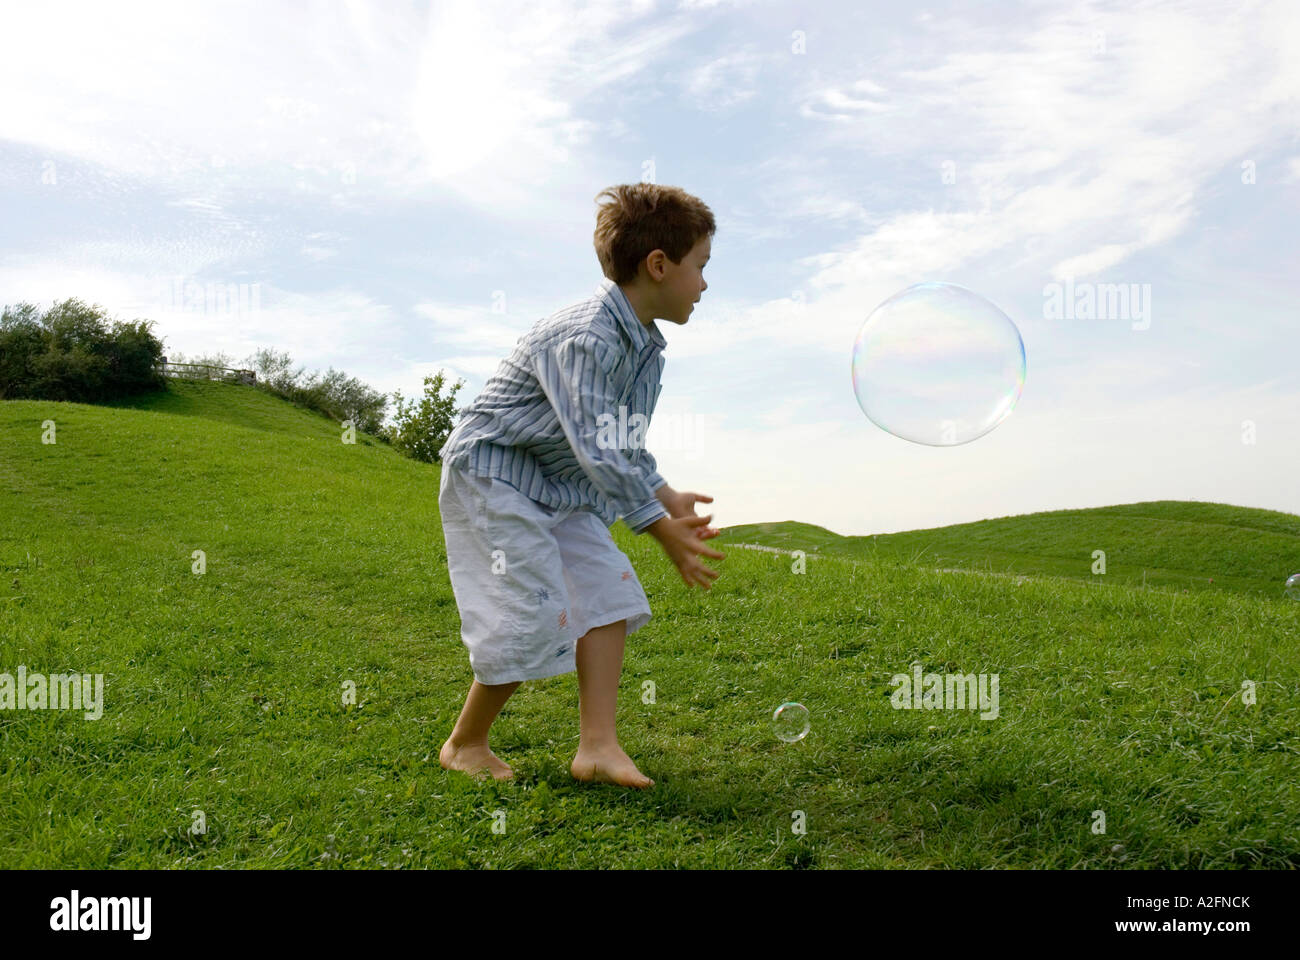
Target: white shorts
530, 580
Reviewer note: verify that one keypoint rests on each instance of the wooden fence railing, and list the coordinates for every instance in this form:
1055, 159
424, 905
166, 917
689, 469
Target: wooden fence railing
203, 371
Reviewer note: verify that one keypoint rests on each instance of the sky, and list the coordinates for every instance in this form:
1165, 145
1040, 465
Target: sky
397, 189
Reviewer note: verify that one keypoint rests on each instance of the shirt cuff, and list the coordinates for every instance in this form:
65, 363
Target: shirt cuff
656, 480
643, 516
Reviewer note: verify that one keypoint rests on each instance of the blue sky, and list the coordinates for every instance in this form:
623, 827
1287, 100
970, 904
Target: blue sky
411, 186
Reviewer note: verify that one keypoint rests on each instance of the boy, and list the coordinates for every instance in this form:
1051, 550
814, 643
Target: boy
531, 484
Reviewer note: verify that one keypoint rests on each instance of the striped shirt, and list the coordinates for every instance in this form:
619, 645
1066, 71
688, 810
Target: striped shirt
538, 424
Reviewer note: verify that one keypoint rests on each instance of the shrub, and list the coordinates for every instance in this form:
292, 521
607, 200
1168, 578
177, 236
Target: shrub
70, 353
335, 394
420, 430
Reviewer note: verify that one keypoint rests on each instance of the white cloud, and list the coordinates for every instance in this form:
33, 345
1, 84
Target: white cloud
318, 253
726, 80
473, 369
517, 68
1056, 141
1091, 262
847, 106
194, 97
470, 326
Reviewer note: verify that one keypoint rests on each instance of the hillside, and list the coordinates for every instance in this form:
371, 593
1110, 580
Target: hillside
272, 617
1166, 543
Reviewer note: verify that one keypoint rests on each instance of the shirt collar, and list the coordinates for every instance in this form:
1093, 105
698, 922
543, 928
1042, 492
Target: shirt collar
613, 297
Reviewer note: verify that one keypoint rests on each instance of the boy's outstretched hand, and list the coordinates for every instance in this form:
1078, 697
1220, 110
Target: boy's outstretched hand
682, 539
682, 504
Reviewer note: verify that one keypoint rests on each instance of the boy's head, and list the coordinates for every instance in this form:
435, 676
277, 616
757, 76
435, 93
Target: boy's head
653, 241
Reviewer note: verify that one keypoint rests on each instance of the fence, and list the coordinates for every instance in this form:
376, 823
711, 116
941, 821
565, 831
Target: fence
203, 371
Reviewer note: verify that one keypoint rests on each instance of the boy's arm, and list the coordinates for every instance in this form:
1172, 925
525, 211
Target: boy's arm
575, 376
650, 470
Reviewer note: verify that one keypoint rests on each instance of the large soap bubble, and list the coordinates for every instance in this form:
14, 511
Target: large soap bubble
938, 364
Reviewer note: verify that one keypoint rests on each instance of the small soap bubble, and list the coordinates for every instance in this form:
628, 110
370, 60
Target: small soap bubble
1293, 586
790, 722
938, 364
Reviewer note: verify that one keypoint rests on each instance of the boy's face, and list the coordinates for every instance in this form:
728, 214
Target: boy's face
683, 283
691, 273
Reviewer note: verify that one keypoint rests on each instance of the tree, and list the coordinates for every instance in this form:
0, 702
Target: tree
273, 368
420, 430
70, 353
353, 400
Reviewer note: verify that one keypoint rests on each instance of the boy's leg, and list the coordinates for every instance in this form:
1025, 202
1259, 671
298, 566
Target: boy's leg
481, 708
467, 747
600, 663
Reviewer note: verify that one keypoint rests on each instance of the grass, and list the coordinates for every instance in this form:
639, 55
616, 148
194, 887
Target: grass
224, 692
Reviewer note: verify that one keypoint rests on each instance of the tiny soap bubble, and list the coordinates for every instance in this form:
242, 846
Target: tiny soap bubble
938, 364
790, 722
1293, 586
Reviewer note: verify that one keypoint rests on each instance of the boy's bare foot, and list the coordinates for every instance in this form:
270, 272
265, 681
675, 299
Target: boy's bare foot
474, 759
607, 765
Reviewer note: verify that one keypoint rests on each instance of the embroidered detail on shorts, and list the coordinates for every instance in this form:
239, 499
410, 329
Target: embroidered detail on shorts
627, 574
542, 596
564, 617
562, 651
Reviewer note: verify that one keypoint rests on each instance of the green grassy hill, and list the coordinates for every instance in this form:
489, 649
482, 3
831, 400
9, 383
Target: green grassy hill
1166, 543
324, 570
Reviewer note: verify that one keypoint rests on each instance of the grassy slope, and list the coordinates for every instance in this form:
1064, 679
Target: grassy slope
1193, 546
325, 566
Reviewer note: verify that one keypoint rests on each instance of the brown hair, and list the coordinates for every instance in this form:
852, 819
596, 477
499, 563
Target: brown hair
643, 217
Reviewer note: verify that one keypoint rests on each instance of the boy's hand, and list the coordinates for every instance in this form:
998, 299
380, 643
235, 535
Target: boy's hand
682, 504
680, 537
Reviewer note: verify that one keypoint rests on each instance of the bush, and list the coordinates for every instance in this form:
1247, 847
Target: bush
420, 430
335, 394
273, 369
69, 353
354, 400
